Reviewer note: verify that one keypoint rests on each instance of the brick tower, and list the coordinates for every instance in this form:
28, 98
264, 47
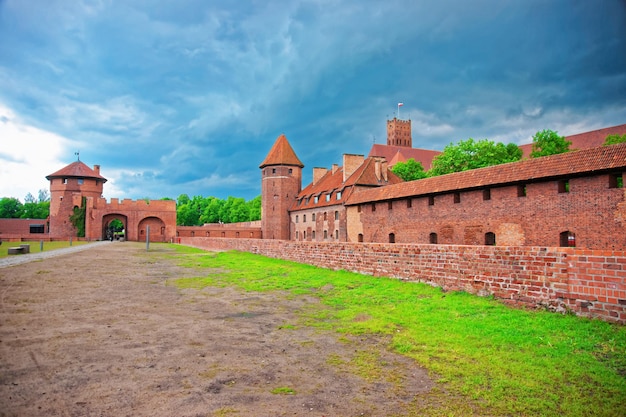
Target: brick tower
399, 133
67, 188
281, 174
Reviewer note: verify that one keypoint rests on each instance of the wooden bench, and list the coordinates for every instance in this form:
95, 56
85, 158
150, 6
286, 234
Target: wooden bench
19, 249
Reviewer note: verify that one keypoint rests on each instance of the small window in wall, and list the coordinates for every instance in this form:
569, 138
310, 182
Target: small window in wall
296, 218
360, 237
325, 234
392, 238
223, 234
304, 235
273, 170
431, 200
192, 233
487, 194
373, 206
409, 202
236, 234
521, 190
490, 239
358, 208
208, 234
81, 181
304, 218
313, 234
290, 171
457, 198
336, 215
432, 238
37, 228
325, 216
64, 180
563, 186
337, 234
313, 217
297, 235
390, 205
567, 239
338, 195
616, 181
328, 197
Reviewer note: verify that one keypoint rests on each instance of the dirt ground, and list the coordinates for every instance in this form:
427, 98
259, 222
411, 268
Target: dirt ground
102, 333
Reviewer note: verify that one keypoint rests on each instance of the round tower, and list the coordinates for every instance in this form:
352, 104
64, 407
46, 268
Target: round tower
281, 174
68, 186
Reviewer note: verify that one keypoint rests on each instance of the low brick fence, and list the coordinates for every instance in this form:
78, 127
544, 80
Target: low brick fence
589, 283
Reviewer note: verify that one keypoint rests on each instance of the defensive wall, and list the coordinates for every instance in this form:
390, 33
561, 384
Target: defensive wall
590, 283
242, 230
24, 229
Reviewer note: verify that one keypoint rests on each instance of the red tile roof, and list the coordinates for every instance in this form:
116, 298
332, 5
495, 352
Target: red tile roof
364, 176
600, 159
76, 169
395, 154
281, 154
584, 140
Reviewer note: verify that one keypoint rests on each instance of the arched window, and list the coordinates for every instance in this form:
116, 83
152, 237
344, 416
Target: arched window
392, 238
567, 239
433, 238
313, 234
490, 239
360, 237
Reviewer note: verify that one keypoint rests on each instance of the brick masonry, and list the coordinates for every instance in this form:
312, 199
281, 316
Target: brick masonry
590, 283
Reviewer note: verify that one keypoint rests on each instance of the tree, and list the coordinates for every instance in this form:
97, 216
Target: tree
614, 139
255, 208
44, 195
10, 208
35, 210
470, 154
548, 142
410, 170
29, 198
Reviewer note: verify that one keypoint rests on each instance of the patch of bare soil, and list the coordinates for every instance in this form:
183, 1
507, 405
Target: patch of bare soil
101, 333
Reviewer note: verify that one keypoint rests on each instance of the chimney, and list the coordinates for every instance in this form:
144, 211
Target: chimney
96, 169
384, 166
377, 168
318, 173
350, 164
335, 168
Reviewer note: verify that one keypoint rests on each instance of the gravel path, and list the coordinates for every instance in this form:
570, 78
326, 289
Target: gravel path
29, 257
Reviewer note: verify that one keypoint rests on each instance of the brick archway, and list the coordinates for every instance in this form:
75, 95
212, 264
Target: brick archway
157, 229
106, 221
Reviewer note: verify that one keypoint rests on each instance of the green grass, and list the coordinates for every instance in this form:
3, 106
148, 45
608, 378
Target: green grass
506, 361
283, 391
35, 246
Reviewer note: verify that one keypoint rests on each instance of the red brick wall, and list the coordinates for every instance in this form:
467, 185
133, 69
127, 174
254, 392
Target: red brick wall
591, 210
64, 197
19, 229
279, 187
588, 282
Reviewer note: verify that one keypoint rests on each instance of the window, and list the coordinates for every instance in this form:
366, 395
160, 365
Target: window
336, 215
490, 239
563, 186
313, 234
409, 203
392, 238
616, 181
325, 234
521, 190
567, 239
487, 194
358, 208
192, 233
64, 180
37, 228
360, 237
304, 218
236, 234
81, 181
390, 205
297, 235
328, 196
325, 216
338, 195
337, 234
316, 199
296, 218
373, 206
457, 198
273, 170
432, 238
313, 217
431, 200
304, 235
290, 171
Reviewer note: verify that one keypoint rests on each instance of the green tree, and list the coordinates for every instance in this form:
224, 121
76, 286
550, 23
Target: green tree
410, 170
548, 142
614, 139
255, 208
10, 208
39, 210
471, 154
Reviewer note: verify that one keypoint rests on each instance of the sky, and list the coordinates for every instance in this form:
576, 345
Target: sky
188, 96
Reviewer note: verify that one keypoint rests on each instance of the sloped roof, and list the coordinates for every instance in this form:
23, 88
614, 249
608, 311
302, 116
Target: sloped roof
76, 169
584, 140
395, 154
281, 154
575, 163
363, 176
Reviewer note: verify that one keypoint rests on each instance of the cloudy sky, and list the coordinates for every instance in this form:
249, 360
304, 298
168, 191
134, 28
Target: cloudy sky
188, 96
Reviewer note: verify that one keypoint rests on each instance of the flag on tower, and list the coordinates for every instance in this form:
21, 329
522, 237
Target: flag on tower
400, 104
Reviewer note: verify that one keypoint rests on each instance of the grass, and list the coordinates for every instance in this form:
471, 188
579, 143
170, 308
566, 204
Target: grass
506, 361
35, 246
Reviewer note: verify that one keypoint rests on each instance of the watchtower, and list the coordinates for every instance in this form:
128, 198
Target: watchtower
399, 133
68, 186
281, 174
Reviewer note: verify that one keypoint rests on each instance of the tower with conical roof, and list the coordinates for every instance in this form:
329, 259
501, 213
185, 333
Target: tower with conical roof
281, 174
68, 186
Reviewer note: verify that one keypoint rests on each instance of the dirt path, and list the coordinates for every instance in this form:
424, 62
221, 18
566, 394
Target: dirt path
100, 333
